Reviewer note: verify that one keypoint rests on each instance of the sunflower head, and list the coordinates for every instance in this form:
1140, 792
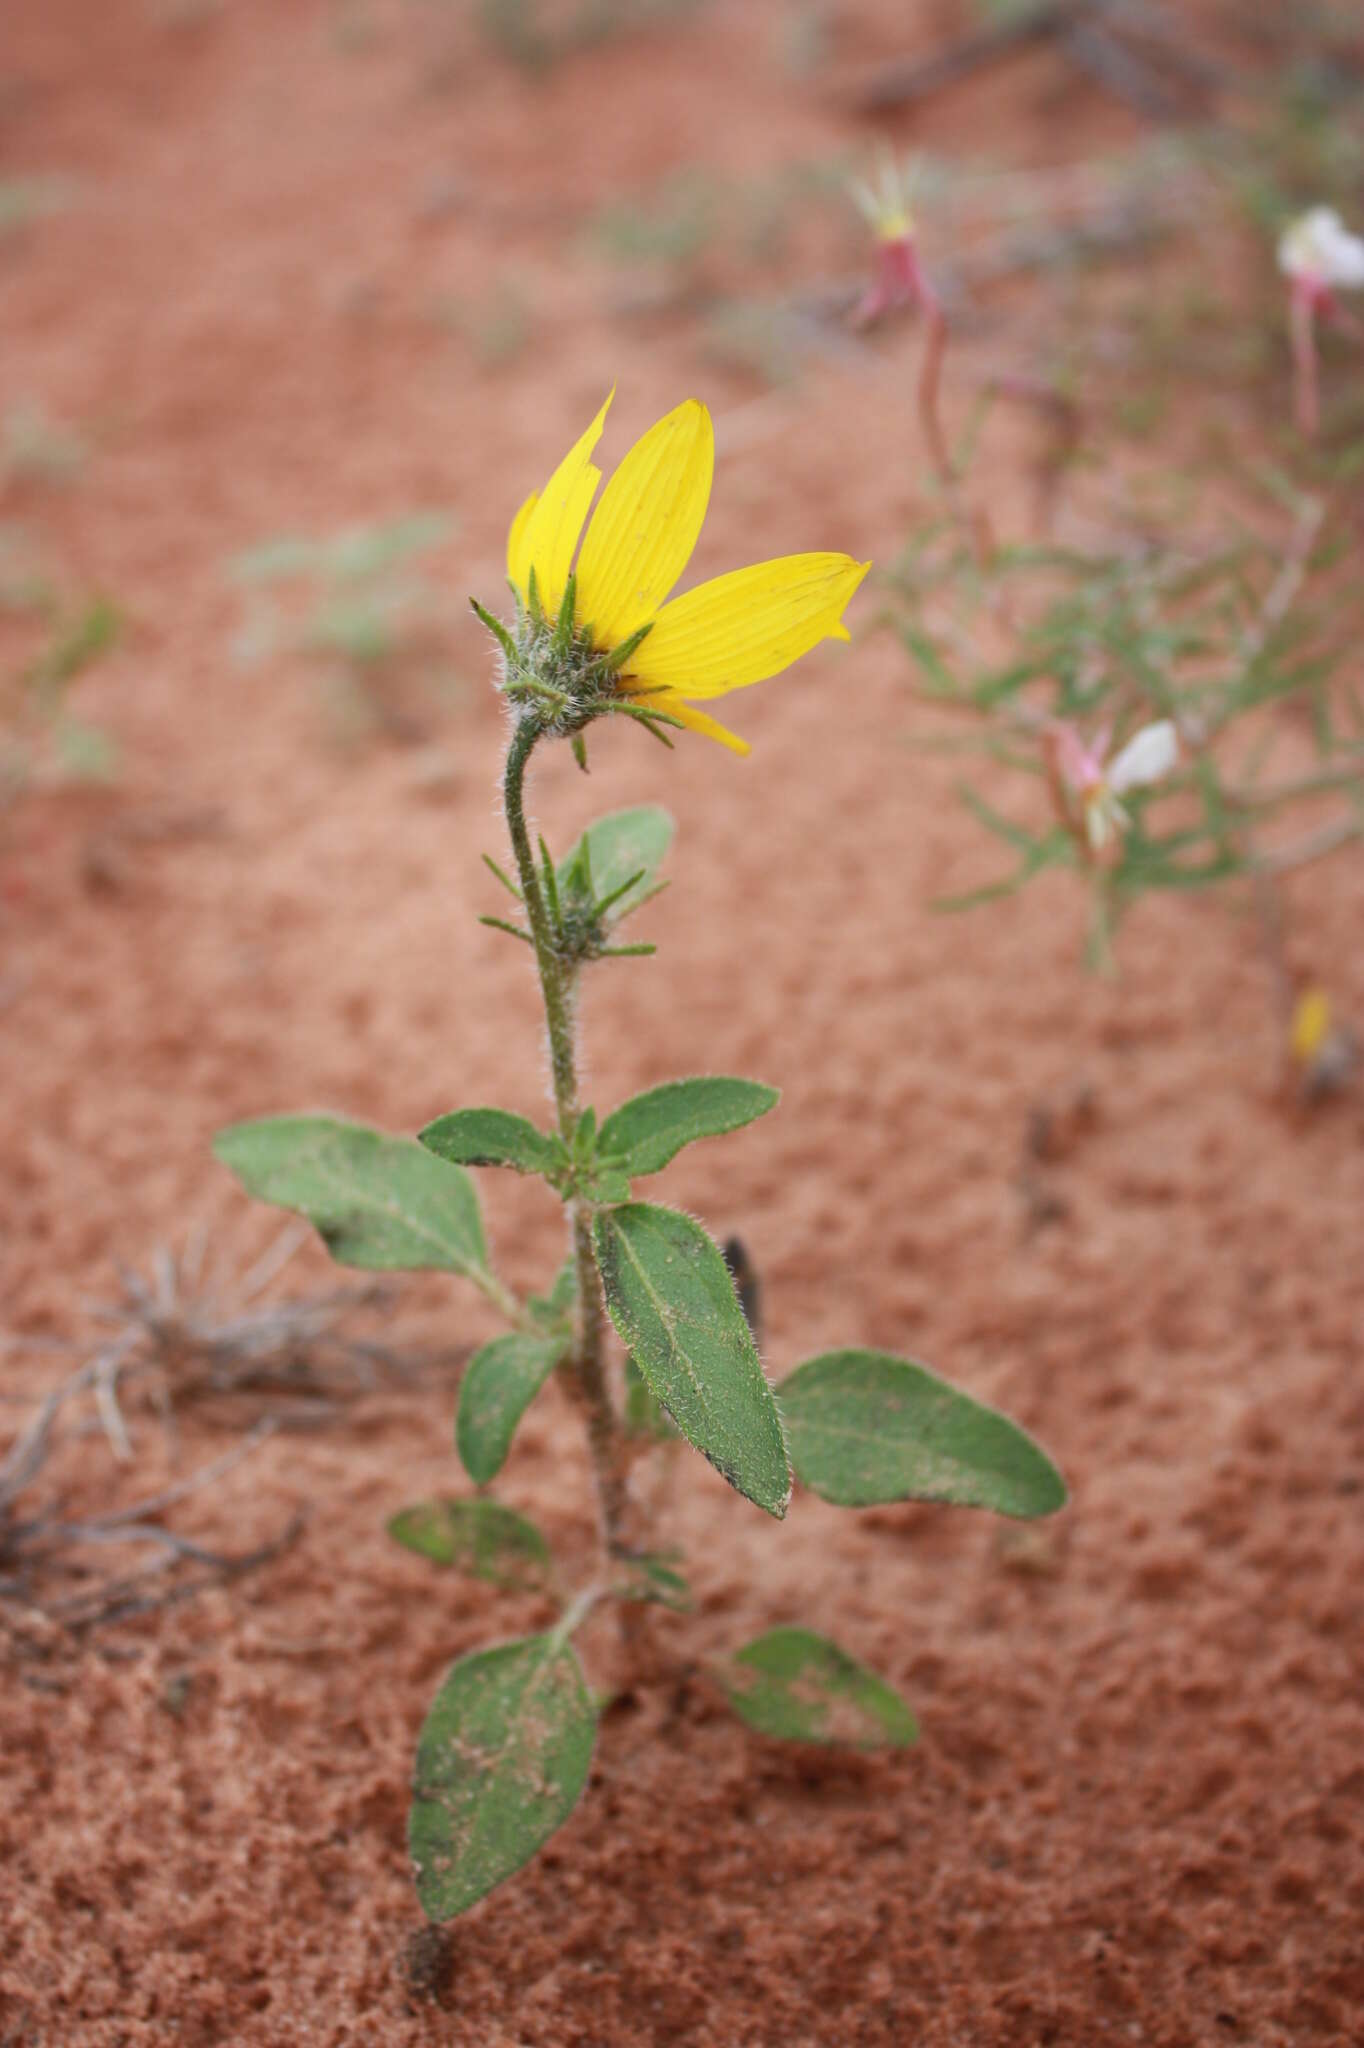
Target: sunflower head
600, 634
552, 665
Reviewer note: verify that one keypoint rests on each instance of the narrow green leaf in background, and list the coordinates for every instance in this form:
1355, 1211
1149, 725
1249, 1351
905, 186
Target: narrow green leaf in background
650, 1129
378, 1202
867, 1427
481, 1537
801, 1687
501, 1762
491, 1137
672, 1300
499, 1385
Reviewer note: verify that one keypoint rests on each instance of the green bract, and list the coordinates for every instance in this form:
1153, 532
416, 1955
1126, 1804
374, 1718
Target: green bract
505, 1749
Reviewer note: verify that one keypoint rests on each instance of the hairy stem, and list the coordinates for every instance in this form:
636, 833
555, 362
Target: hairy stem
585, 1366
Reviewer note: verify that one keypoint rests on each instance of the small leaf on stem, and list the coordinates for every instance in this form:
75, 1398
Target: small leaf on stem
650, 1129
492, 1137
480, 1537
378, 1202
501, 1381
501, 1762
800, 1687
672, 1300
867, 1427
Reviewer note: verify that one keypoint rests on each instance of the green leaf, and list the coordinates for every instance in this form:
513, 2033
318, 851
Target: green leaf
801, 1687
501, 1762
652, 1578
480, 1537
645, 1414
866, 1427
650, 1129
491, 1137
606, 1184
501, 1382
378, 1202
622, 844
672, 1300
554, 1311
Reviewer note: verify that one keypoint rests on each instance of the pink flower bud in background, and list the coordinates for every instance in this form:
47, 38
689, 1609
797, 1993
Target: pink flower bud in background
1319, 257
898, 278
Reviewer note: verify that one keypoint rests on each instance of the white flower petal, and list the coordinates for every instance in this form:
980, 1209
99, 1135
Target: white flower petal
1320, 248
1147, 756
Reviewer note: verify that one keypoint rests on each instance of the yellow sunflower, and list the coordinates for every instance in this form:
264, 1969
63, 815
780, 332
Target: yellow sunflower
735, 630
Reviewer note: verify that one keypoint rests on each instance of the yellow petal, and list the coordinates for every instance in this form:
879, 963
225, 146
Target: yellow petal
746, 626
643, 531
518, 558
555, 521
696, 721
1311, 1023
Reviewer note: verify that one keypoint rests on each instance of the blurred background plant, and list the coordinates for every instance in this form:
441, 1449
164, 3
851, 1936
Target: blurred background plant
58, 634
36, 448
357, 604
1240, 637
537, 34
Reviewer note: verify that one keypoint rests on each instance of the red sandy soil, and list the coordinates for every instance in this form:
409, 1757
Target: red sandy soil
1137, 1809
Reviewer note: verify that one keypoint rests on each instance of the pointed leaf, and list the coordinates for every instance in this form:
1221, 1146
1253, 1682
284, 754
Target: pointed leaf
501, 1382
554, 1311
653, 1577
491, 1137
801, 1687
622, 844
480, 1537
671, 1298
379, 1202
650, 1129
501, 1762
867, 1427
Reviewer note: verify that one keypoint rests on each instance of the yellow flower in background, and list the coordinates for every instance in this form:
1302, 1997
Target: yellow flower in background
723, 635
1310, 1026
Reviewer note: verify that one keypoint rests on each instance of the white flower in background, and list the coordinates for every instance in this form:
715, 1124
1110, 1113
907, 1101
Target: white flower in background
1319, 257
1093, 785
1318, 249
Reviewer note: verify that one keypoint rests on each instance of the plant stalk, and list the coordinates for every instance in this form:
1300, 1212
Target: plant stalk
585, 1366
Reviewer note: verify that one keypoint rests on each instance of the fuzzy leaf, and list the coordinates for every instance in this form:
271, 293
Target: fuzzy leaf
650, 1129
645, 1414
501, 1382
501, 1762
491, 1137
379, 1202
480, 1537
801, 1687
672, 1300
622, 844
866, 1427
